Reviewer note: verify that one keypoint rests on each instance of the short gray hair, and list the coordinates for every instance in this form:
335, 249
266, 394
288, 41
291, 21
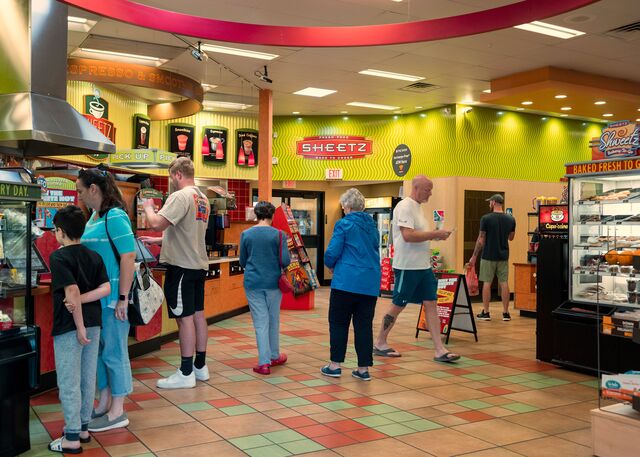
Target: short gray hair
352, 199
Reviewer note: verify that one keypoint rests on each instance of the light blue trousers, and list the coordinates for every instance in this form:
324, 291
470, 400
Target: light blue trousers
76, 375
265, 312
114, 369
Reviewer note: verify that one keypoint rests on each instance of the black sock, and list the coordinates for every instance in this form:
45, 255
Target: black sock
200, 362
186, 365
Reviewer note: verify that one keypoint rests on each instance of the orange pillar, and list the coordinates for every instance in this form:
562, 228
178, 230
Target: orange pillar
265, 143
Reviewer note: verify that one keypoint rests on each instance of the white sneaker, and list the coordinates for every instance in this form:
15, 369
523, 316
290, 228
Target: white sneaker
202, 374
177, 381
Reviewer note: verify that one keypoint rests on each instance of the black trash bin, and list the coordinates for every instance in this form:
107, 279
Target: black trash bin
19, 374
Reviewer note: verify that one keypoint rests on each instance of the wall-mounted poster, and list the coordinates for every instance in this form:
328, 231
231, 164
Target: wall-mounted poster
247, 147
141, 131
214, 144
181, 138
56, 193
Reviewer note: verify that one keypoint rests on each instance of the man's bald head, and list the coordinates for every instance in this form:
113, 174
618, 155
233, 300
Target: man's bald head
421, 187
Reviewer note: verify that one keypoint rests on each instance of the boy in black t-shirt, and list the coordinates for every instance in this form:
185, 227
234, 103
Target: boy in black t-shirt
79, 281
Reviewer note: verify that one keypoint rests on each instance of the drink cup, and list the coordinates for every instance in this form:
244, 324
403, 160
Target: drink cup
143, 135
96, 109
182, 142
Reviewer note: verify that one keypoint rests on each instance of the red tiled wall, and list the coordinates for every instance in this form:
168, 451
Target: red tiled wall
242, 190
160, 183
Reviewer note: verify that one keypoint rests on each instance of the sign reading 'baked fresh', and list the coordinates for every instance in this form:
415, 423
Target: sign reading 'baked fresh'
334, 147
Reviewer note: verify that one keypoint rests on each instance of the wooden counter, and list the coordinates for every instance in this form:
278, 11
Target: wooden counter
525, 287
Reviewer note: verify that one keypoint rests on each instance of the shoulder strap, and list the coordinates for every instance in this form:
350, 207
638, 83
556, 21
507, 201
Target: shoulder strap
280, 249
106, 229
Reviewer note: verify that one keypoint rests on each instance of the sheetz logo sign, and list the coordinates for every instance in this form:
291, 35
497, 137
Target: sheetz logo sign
334, 147
620, 139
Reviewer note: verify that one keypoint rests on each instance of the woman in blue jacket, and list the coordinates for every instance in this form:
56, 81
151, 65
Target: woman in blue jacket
353, 257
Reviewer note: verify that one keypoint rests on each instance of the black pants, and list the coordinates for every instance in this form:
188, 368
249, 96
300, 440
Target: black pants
342, 307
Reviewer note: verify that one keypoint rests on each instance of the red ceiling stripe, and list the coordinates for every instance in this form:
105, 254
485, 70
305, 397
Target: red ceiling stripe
370, 35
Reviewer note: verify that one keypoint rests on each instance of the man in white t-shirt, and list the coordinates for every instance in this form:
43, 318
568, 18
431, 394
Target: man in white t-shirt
414, 279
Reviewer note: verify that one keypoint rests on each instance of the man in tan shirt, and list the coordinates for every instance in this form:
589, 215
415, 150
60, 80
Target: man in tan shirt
183, 219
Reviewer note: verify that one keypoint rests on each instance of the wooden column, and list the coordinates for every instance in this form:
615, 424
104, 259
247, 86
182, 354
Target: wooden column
265, 143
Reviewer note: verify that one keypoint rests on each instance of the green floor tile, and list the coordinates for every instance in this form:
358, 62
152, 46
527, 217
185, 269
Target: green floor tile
519, 407
440, 374
475, 376
243, 355
474, 404
166, 373
39, 452
422, 425
535, 384
196, 406
283, 436
268, 451
302, 446
394, 429
474, 363
554, 382
241, 377
401, 416
141, 370
315, 383
35, 427
381, 409
38, 439
374, 421
336, 405
591, 383
278, 380
296, 401
237, 410
53, 408
515, 379
534, 376
251, 441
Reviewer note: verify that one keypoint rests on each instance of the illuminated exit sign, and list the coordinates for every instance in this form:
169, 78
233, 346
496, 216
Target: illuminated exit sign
333, 173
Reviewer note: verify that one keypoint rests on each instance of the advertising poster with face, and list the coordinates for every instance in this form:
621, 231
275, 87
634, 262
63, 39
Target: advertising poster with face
56, 193
214, 144
141, 131
181, 138
247, 147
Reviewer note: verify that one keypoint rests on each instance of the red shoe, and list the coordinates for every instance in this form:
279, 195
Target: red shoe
280, 360
262, 369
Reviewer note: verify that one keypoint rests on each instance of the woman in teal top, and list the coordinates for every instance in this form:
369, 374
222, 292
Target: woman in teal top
97, 190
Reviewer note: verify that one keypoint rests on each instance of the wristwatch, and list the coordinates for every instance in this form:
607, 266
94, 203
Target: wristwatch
122, 297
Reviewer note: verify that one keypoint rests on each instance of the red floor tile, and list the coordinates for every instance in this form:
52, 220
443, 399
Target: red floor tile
458, 371
384, 374
224, 402
330, 388
365, 435
246, 346
94, 452
385, 367
301, 333
496, 390
146, 376
132, 406
169, 345
240, 363
313, 431
335, 440
474, 416
55, 428
362, 401
347, 425
123, 436
301, 377
319, 398
47, 398
296, 422
144, 396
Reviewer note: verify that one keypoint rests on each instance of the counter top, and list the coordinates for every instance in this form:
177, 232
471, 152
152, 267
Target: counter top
214, 260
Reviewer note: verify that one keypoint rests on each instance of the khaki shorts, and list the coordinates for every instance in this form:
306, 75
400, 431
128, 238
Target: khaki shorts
491, 268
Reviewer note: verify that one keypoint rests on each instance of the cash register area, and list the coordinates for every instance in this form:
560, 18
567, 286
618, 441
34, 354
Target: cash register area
497, 402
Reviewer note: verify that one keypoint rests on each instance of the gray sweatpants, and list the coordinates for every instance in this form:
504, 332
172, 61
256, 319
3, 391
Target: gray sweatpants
76, 372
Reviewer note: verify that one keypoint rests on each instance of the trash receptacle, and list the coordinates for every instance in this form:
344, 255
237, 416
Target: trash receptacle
19, 374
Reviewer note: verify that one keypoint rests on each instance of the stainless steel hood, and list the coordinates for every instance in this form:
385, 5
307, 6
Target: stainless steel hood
35, 118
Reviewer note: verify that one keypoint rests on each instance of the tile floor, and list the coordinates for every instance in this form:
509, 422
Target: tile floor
497, 402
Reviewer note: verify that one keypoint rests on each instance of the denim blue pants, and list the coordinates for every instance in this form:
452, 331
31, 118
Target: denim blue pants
114, 369
76, 373
265, 312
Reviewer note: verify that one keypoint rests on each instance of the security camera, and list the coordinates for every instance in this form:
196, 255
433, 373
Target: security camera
264, 76
196, 54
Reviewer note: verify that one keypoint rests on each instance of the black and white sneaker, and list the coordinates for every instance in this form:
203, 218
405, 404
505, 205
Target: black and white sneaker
506, 316
483, 316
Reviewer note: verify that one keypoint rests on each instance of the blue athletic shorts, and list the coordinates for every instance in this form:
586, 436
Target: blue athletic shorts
414, 286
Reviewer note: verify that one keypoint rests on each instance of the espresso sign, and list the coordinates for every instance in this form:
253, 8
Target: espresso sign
331, 147
247, 146
97, 113
620, 139
214, 144
181, 137
401, 160
141, 131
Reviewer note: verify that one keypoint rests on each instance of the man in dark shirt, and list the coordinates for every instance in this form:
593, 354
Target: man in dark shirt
496, 230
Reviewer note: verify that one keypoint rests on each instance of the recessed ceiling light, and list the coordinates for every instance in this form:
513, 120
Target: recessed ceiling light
564, 115
345, 118
638, 120
344, 112
566, 108
487, 91
607, 115
550, 29
397, 1
527, 102
208, 86
544, 118
560, 96
419, 107
423, 115
238, 52
373, 105
315, 92
467, 102
122, 56
500, 113
519, 109
395, 118
213, 105
299, 119
600, 102
390, 75
295, 112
